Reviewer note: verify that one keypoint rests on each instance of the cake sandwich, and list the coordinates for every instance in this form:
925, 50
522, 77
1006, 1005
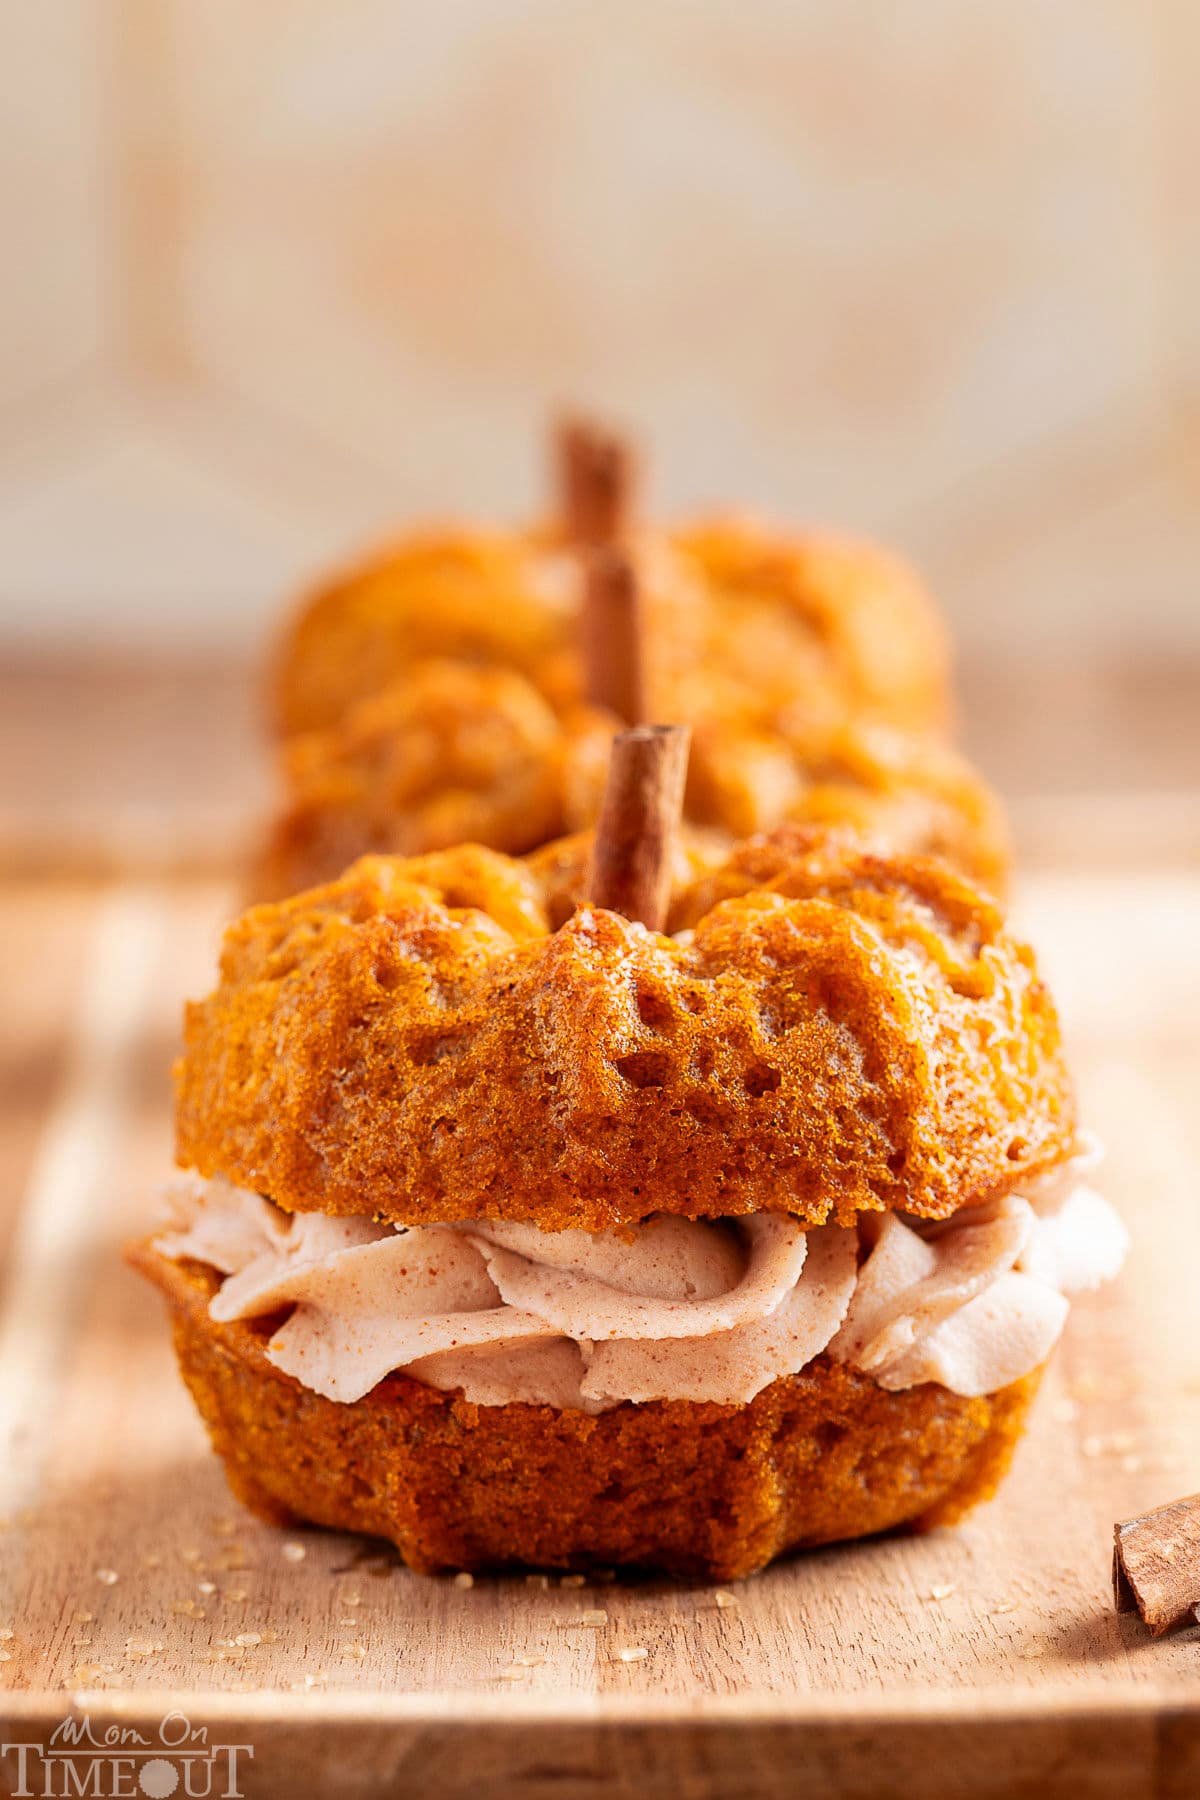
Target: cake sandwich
821, 625
708, 1218
454, 753
472, 693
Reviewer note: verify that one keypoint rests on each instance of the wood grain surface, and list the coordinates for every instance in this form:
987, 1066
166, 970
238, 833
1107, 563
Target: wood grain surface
983, 1661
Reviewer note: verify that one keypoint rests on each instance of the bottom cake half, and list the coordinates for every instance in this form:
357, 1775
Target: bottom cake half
681, 1487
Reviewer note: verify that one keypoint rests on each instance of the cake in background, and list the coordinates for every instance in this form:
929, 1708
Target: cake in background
822, 624
466, 686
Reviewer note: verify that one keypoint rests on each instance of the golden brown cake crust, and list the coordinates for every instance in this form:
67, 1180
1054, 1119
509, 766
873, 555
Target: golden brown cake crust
455, 753
841, 1032
691, 1489
449, 753
770, 591
449, 590
745, 619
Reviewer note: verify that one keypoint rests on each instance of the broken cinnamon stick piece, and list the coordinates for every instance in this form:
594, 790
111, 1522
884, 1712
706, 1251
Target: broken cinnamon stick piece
630, 870
1156, 1565
597, 473
613, 635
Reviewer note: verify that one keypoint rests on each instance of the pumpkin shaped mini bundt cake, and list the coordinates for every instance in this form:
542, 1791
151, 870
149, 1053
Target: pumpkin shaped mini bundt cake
455, 753
594, 1243
741, 614
455, 750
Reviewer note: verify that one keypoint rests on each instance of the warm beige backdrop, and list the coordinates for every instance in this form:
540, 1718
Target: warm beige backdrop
280, 271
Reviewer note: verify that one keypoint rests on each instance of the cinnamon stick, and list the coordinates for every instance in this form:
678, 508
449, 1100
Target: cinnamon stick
597, 473
630, 870
1156, 1566
612, 631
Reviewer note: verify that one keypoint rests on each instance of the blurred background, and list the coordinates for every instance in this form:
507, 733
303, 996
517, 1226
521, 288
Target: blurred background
279, 276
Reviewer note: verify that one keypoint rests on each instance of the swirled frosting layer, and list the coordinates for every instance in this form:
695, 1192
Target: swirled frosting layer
674, 1308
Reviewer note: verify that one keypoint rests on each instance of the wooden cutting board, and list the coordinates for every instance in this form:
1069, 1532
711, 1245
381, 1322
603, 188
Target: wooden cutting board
978, 1662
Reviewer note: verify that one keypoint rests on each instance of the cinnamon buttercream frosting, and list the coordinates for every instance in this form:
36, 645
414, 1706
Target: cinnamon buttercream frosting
674, 1308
